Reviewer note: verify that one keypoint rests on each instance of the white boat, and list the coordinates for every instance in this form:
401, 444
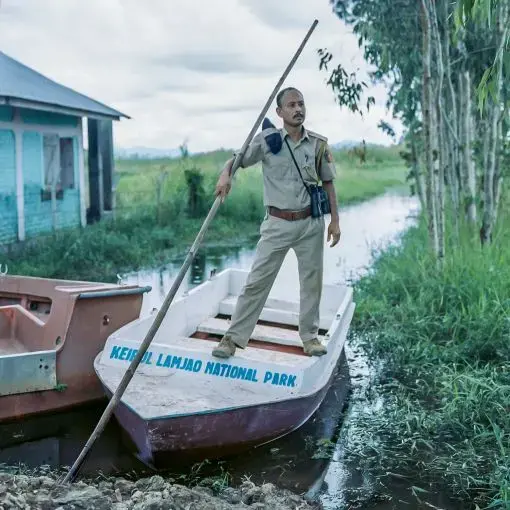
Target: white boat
183, 400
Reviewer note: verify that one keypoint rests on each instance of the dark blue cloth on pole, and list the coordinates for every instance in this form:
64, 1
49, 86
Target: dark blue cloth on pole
272, 136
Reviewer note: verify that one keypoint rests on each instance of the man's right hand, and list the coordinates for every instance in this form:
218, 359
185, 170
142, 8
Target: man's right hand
225, 181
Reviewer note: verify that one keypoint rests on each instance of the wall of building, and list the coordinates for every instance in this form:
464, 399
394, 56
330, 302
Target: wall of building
47, 118
37, 215
6, 113
8, 204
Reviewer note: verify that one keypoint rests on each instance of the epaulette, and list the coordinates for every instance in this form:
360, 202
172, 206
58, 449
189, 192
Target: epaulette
320, 137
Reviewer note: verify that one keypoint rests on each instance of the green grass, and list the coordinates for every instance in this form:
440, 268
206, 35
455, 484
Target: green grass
153, 222
141, 180
440, 343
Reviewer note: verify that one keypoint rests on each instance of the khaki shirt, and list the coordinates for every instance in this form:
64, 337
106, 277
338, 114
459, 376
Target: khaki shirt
283, 187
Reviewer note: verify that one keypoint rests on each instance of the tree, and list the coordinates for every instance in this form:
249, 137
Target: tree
485, 12
431, 73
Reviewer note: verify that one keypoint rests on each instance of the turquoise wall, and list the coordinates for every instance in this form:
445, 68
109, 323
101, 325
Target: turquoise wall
8, 207
47, 118
38, 117
38, 214
6, 113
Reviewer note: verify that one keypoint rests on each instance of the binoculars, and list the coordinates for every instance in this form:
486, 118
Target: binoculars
319, 201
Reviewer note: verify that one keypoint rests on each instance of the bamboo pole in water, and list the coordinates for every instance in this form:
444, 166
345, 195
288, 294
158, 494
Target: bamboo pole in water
180, 276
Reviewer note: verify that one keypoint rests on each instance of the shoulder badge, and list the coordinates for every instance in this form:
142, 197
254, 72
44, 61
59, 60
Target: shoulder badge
317, 135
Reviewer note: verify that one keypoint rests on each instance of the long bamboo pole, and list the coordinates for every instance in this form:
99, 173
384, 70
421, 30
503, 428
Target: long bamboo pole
180, 276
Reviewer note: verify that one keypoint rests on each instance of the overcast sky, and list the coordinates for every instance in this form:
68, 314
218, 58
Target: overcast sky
184, 69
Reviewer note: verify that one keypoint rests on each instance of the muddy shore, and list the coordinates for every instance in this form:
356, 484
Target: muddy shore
42, 491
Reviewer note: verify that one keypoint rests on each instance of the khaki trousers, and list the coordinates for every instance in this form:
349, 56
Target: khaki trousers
277, 236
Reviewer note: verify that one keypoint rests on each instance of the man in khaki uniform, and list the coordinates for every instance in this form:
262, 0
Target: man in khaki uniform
288, 222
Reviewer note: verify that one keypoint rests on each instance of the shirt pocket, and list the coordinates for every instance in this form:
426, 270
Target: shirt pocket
279, 166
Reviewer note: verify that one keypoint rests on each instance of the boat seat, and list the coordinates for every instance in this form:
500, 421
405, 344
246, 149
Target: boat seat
20, 330
261, 333
275, 310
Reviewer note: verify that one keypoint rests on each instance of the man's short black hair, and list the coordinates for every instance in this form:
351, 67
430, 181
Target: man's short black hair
282, 93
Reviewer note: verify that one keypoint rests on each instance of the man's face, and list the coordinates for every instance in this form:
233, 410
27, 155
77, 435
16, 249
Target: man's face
293, 110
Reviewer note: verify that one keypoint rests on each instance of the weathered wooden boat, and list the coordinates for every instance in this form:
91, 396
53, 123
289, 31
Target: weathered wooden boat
50, 332
182, 400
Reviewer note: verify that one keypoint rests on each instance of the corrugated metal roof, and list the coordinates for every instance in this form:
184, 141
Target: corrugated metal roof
22, 86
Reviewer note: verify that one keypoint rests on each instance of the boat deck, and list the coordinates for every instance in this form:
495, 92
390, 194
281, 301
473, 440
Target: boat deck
156, 397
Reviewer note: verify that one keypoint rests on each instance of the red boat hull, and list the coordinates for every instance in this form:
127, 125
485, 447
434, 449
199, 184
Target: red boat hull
216, 434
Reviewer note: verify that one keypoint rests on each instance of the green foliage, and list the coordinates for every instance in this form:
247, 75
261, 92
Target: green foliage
345, 85
395, 60
440, 342
196, 192
484, 13
387, 129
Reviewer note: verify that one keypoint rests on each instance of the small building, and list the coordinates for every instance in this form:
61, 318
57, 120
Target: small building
43, 177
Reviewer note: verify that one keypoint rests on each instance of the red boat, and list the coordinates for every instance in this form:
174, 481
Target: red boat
50, 332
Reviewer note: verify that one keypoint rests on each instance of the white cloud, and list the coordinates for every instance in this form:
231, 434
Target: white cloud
189, 70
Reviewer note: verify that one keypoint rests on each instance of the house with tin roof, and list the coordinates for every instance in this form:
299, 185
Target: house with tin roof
44, 185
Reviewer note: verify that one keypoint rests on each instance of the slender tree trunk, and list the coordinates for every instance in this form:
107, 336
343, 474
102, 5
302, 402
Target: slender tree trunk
440, 148
490, 180
450, 138
451, 121
498, 174
427, 107
483, 135
418, 176
468, 165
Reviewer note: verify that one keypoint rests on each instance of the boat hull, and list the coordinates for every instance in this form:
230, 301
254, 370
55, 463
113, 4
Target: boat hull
216, 434
81, 322
16, 407
184, 403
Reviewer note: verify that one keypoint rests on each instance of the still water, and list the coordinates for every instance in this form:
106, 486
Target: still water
308, 461
366, 226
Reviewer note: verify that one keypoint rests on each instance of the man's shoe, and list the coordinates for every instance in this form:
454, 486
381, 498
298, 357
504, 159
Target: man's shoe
314, 348
225, 348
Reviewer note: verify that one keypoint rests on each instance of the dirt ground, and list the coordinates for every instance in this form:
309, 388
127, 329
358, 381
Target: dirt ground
156, 493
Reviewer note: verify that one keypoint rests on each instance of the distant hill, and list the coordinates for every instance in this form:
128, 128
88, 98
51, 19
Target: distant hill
146, 153
345, 144
153, 153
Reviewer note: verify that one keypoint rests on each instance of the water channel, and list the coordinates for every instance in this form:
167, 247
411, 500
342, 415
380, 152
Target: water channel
308, 461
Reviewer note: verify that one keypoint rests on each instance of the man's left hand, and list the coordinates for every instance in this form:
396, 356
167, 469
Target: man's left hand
334, 233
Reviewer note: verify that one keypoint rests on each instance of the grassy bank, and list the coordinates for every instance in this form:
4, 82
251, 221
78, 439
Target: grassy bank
161, 204
163, 184
439, 343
